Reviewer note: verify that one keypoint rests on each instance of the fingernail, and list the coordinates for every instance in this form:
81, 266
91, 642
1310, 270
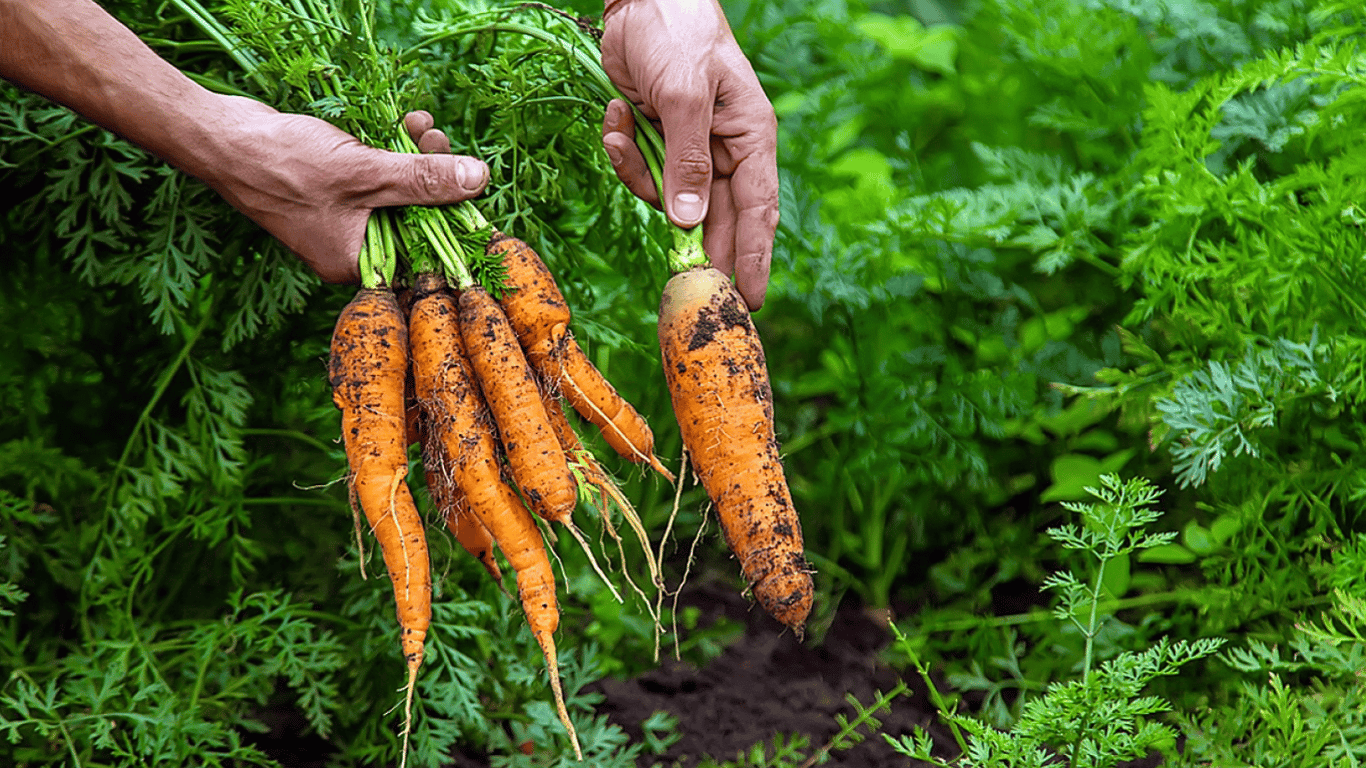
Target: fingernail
469, 174
688, 207
614, 155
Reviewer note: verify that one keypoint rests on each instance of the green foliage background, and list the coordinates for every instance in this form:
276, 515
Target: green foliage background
1038, 241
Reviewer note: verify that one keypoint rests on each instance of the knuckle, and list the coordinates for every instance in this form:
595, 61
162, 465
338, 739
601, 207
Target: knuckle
430, 179
681, 96
694, 168
769, 216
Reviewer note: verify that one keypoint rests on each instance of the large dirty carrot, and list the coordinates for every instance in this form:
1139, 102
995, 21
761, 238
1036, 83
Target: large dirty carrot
457, 417
540, 317
718, 380
369, 360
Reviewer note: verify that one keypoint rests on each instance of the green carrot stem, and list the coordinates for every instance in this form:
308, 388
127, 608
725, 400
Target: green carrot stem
469, 216
687, 252
372, 261
447, 250
210, 26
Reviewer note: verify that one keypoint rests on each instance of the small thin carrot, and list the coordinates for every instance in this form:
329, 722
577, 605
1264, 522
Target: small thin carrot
718, 380
540, 317
369, 360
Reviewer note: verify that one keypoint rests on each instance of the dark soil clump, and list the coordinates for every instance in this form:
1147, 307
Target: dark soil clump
766, 684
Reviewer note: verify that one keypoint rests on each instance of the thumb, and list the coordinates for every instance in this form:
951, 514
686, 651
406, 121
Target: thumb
429, 179
685, 116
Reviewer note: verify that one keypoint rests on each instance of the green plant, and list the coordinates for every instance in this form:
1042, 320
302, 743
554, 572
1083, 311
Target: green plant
1102, 718
1302, 707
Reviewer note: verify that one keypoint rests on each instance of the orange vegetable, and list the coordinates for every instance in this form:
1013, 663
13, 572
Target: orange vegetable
718, 380
458, 419
509, 386
540, 317
367, 368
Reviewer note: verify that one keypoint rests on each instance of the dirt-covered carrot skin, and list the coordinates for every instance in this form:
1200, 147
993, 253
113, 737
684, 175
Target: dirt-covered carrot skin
718, 380
458, 418
434, 346
510, 388
539, 316
368, 364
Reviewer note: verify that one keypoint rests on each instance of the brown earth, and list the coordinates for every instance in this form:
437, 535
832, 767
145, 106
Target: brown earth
764, 683
767, 683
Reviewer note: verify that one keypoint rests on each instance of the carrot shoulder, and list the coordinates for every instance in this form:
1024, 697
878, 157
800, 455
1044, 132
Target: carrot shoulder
368, 364
718, 380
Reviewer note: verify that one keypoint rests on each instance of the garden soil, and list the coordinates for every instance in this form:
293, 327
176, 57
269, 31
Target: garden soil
765, 683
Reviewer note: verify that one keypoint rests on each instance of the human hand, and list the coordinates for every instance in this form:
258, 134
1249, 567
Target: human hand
307, 182
313, 186
678, 62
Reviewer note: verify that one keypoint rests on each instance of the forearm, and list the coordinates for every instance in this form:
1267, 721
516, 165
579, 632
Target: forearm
76, 54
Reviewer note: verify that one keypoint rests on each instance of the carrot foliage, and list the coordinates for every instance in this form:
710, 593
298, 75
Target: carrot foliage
1025, 244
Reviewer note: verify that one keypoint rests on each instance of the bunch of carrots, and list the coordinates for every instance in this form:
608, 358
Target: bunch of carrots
459, 340
477, 381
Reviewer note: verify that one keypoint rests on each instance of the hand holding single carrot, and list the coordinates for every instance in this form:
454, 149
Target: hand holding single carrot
679, 63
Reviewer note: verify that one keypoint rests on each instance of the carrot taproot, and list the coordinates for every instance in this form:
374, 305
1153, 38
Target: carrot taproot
539, 315
367, 366
521, 543
718, 380
457, 417
509, 387
454, 508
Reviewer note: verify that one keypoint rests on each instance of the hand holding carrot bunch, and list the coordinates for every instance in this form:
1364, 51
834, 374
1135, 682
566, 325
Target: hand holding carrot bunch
475, 363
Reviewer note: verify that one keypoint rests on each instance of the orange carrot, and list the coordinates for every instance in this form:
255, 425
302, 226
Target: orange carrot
522, 545
718, 380
458, 418
510, 388
540, 317
450, 501
433, 344
366, 370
